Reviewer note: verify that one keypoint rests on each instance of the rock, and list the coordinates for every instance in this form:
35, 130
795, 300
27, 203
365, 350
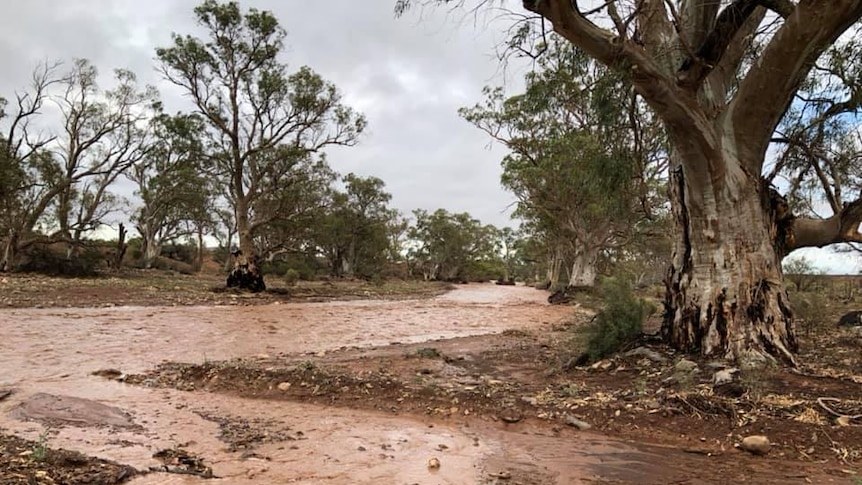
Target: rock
283, 386
4, 393
842, 421
685, 366
851, 319
73, 411
511, 416
756, 444
433, 463
112, 374
724, 376
577, 423
560, 297
647, 353
730, 389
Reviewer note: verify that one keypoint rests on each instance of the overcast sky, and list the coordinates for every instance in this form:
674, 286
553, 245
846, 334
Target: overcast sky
408, 76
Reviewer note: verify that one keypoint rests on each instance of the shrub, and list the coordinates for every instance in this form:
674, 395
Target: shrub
291, 276
52, 261
812, 312
619, 323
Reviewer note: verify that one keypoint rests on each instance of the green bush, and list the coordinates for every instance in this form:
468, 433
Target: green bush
291, 277
619, 323
52, 261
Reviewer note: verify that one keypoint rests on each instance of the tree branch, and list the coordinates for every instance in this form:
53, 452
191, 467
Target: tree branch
771, 83
728, 23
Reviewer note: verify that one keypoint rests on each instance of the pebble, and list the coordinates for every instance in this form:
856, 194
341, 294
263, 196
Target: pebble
577, 423
685, 365
756, 444
433, 463
283, 386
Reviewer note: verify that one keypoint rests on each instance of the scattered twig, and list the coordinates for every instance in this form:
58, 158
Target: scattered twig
825, 407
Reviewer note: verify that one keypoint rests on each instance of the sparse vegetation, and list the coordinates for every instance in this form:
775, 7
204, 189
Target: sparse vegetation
39, 451
619, 323
291, 277
428, 353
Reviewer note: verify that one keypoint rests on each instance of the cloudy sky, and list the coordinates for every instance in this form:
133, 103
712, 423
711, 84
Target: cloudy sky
408, 76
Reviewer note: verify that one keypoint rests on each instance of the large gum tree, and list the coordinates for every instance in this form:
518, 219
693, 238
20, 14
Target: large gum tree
264, 124
720, 75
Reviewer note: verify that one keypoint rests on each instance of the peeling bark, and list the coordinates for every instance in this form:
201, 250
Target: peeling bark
725, 296
246, 273
584, 267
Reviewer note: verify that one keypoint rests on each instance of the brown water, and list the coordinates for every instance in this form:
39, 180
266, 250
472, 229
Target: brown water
54, 351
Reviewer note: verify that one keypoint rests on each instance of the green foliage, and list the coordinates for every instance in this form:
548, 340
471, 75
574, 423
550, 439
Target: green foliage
619, 323
291, 277
40, 450
307, 266
428, 353
171, 183
180, 252
585, 156
269, 128
452, 247
353, 232
44, 259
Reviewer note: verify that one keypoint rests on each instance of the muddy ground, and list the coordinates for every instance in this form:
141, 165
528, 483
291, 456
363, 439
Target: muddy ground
476, 386
132, 287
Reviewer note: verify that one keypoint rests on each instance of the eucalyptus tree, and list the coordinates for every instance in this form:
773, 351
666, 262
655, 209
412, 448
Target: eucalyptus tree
353, 235
584, 154
263, 122
171, 183
445, 244
104, 134
720, 75
58, 189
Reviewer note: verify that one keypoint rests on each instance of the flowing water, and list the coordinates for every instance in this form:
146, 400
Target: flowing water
54, 351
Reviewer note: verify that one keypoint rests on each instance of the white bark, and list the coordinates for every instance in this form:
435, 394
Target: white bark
584, 267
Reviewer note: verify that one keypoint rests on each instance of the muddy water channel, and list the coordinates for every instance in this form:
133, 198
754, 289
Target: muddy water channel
51, 353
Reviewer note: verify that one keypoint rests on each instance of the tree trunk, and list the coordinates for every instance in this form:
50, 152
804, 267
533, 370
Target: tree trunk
552, 272
121, 248
10, 250
725, 296
348, 261
246, 273
150, 251
584, 267
199, 260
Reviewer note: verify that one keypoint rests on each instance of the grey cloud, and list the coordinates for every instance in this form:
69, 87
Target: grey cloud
409, 76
